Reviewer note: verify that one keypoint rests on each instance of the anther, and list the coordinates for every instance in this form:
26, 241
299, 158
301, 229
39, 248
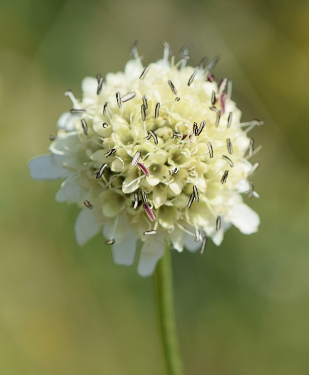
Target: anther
154, 136
104, 108
84, 125
110, 152
88, 204
136, 201
52, 138
218, 223
128, 96
204, 244
195, 192
210, 149
110, 242
101, 170
144, 196
197, 235
222, 85
149, 212
177, 98
202, 63
77, 110
136, 158
223, 98
144, 72
168, 48
100, 84
228, 160
157, 110
149, 232
172, 87
251, 147
224, 177
213, 98
195, 128
202, 125
145, 101
251, 190
192, 77
229, 146
105, 124
229, 119
133, 49
191, 199
143, 169
210, 77
143, 112
177, 135
213, 62
175, 170
253, 169
118, 99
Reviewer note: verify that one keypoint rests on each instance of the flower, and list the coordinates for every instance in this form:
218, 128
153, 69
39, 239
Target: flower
156, 154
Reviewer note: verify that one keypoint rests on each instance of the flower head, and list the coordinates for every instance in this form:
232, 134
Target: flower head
156, 154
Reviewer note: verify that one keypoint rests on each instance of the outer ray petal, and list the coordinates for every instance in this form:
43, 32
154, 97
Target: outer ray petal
70, 191
48, 167
86, 226
152, 251
245, 219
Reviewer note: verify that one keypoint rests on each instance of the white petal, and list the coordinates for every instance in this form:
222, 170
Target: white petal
245, 219
153, 249
86, 226
124, 252
66, 121
90, 86
133, 68
70, 191
48, 167
217, 236
191, 244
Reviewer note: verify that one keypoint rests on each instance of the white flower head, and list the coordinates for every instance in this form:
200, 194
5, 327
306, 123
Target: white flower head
156, 154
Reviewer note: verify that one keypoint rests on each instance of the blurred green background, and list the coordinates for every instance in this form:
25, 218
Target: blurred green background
242, 308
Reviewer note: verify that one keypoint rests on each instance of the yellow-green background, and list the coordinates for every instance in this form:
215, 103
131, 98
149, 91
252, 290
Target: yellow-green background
242, 308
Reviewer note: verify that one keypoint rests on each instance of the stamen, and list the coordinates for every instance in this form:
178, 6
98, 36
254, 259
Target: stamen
228, 160
218, 112
251, 191
224, 177
104, 108
52, 138
202, 125
136, 158
118, 99
105, 124
128, 96
211, 152
253, 169
197, 235
144, 72
143, 168
177, 135
101, 170
191, 199
202, 63
168, 50
175, 170
136, 201
110, 242
144, 196
223, 98
172, 87
213, 98
149, 232
210, 77
229, 119
177, 98
143, 112
251, 147
222, 85
88, 204
154, 136
77, 110
149, 212
195, 128
192, 77
157, 110
110, 152
145, 101
84, 125
195, 192
204, 244
133, 49
218, 223
213, 62
229, 146
100, 84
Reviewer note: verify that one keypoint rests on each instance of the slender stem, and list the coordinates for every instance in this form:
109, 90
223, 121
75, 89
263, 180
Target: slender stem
166, 314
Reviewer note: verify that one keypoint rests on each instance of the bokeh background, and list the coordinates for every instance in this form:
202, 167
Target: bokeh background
242, 308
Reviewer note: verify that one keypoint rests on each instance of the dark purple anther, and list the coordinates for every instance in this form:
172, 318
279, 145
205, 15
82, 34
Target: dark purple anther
143, 168
210, 77
223, 98
149, 212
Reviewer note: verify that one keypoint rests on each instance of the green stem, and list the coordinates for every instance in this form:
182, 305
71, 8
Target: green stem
166, 314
